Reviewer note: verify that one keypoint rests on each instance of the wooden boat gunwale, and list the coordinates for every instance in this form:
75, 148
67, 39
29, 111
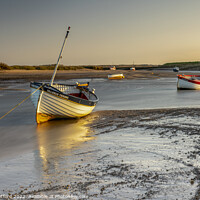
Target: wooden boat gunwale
53, 91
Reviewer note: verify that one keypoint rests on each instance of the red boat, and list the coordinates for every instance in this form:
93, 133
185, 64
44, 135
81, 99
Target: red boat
188, 82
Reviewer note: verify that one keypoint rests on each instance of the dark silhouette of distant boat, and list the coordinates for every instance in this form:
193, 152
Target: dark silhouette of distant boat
176, 69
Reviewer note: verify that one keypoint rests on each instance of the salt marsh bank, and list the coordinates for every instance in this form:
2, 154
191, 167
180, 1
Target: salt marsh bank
142, 142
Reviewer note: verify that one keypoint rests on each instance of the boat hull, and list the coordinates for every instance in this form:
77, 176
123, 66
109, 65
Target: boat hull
54, 105
188, 82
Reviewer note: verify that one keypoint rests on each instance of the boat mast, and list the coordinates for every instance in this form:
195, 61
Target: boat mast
60, 56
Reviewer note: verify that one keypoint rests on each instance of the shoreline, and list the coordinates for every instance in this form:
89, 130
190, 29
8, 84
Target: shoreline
33, 75
107, 116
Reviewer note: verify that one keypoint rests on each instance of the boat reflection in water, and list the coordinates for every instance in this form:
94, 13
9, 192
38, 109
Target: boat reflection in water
59, 143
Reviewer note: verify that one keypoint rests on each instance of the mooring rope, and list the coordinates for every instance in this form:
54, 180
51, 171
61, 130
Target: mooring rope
20, 103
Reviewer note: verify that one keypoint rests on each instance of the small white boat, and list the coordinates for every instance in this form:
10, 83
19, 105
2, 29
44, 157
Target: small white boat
53, 101
188, 82
115, 76
176, 69
113, 68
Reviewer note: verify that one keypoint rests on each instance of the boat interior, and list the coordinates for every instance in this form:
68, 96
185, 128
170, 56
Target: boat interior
74, 90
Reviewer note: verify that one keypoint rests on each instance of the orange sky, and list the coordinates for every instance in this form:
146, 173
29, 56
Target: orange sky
102, 31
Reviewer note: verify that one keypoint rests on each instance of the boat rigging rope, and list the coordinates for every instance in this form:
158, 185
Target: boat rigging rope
20, 102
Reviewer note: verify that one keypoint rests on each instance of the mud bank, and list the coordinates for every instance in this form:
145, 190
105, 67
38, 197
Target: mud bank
33, 75
145, 154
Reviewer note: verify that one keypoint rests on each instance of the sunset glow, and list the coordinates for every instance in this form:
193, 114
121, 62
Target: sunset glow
102, 32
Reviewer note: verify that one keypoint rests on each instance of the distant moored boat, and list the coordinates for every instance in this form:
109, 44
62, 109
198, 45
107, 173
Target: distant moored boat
188, 82
113, 68
176, 69
115, 76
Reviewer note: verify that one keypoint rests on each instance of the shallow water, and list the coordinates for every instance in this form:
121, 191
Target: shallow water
144, 94
145, 158
120, 94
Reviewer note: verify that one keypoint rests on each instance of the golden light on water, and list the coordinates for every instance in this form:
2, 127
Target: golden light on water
56, 139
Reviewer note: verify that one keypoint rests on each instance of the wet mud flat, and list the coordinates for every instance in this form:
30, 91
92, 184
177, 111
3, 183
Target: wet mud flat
22, 75
144, 154
161, 158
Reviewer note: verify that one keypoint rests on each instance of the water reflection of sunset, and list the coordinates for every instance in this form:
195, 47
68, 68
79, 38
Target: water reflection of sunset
57, 140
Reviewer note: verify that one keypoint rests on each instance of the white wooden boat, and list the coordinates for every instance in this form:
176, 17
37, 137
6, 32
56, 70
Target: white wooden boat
53, 101
115, 76
190, 82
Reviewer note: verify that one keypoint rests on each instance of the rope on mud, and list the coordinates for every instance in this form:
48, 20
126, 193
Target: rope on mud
20, 103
